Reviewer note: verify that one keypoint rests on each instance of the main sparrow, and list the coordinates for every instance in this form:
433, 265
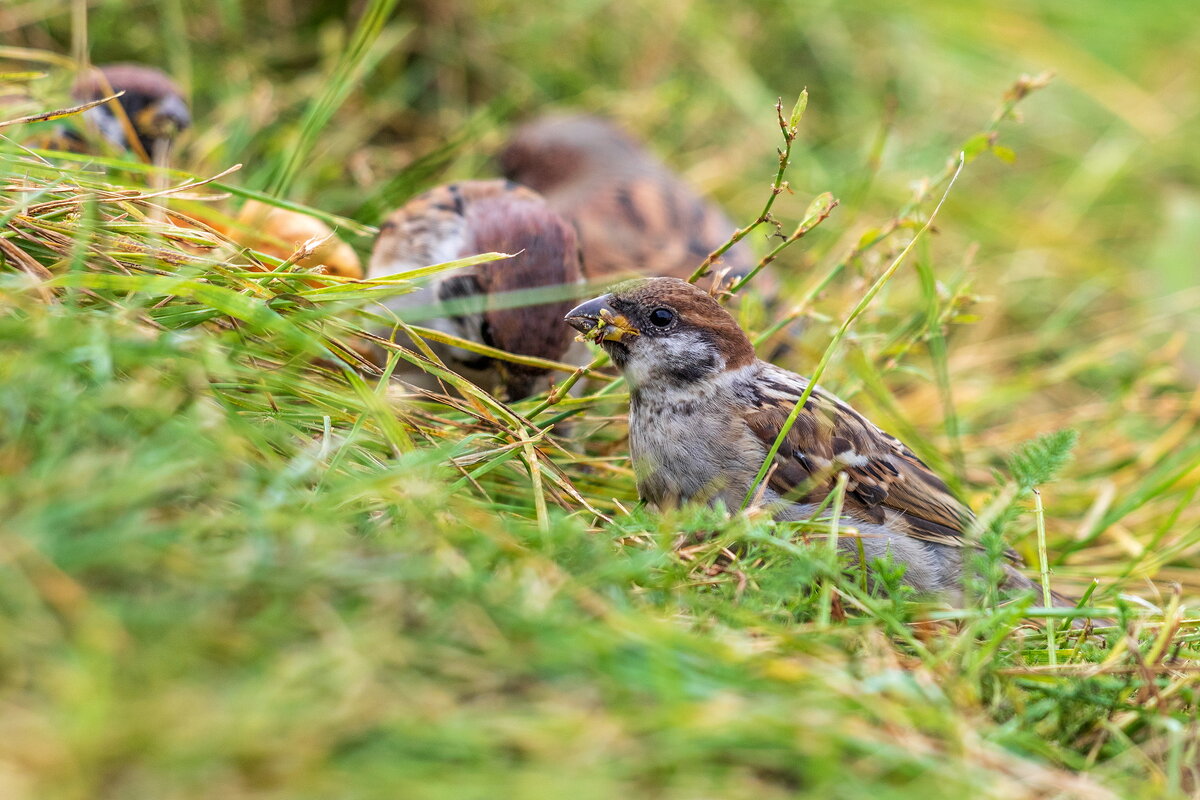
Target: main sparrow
152, 102
471, 217
704, 412
634, 216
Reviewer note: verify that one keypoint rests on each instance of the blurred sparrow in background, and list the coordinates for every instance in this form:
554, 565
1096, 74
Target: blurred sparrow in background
633, 214
704, 412
472, 217
154, 108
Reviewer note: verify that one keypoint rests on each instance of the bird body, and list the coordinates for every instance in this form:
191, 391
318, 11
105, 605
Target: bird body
672, 469
469, 218
705, 411
633, 214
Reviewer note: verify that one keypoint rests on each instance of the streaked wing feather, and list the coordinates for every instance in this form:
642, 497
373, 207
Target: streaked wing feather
884, 475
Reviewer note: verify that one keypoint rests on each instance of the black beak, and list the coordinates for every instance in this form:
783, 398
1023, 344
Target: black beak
162, 120
596, 320
585, 317
173, 113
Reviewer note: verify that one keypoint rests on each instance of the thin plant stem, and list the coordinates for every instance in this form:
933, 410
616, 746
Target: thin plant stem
827, 356
825, 604
1044, 569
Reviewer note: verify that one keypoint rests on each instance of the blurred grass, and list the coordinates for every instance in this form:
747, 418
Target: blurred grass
230, 567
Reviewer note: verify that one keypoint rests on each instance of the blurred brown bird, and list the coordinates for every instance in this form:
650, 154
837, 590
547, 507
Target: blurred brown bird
471, 217
634, 216
153, 104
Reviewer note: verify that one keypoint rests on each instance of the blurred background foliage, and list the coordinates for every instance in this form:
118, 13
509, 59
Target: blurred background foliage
202, 602
1104, 188
1105, 183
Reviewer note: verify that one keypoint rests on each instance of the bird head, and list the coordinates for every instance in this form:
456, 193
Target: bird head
151, 100
162, 119
663, 329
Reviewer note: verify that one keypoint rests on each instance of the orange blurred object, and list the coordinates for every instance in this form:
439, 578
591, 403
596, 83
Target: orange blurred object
280, 233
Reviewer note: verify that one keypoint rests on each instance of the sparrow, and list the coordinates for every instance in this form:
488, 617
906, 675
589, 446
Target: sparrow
152, 102
472, 217
704, 412
634, 216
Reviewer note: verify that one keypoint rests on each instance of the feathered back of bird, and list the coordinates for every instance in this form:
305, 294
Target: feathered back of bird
472, 217
431, 228
633, 214
545, 261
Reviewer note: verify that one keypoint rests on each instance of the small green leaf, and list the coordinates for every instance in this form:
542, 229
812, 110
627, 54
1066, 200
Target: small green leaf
1038, 461
1005, 154
798, 110
820, 206
977, 144
869, 237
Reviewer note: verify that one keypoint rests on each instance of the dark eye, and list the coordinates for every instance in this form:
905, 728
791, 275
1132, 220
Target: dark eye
662, 317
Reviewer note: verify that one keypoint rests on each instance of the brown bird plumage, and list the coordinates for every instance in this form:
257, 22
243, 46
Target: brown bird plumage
704, 412
152, 102
472, 217
633, 214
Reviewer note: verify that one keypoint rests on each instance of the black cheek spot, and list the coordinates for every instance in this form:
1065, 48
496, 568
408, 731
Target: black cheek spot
692, 371
459, 287
478, 362
485, 333
456, 193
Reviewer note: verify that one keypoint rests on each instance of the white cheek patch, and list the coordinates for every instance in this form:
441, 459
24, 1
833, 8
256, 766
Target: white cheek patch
689, 345
109, 126
662, 357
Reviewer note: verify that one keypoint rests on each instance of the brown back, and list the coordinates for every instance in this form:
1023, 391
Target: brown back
633, 214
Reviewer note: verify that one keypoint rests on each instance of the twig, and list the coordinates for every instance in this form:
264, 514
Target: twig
62, 112
778, 186
1044, 569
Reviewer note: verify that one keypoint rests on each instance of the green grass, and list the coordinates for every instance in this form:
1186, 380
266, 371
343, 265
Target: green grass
231, 565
